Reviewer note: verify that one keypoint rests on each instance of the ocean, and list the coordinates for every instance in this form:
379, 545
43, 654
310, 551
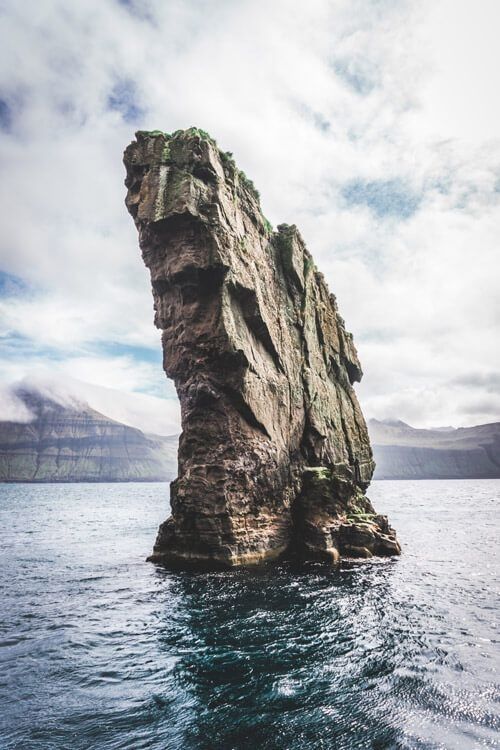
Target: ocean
102, 650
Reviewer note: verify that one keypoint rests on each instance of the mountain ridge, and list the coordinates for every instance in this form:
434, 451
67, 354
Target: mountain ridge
73, 442
405, 452
400, 450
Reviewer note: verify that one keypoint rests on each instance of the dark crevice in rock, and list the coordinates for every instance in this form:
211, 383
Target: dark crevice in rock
247, 300
353, 372
237, 401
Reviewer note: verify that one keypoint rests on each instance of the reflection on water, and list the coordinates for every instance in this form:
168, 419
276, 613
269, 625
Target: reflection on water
100, 650
283, 657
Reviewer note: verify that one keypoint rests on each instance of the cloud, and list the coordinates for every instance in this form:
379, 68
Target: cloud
12, 408
363, 122
490, 381
148, 413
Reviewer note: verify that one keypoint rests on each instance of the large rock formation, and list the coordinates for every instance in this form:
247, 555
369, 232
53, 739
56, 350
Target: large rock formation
274, 455
70, 442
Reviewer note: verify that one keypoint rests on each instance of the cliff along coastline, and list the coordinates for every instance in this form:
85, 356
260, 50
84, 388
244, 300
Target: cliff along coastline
404, 452
274, 455
71, 442
68, 441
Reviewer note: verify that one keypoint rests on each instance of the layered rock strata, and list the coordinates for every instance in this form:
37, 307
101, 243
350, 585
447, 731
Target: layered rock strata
274, 455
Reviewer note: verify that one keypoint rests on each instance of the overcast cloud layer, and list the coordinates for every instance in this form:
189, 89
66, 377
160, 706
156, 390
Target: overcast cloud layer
372, 125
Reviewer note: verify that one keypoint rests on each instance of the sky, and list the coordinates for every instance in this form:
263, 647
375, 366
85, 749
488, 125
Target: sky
371, 124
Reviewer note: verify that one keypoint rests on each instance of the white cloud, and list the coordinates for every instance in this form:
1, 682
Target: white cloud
151, 414
12, 408
309, 97
461, 41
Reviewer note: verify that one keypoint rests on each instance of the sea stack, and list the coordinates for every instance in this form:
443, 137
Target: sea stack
274, 456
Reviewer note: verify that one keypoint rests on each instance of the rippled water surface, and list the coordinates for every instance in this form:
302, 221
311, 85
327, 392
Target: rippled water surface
102, 650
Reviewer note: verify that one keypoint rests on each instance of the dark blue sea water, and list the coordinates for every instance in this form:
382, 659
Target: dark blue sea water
102, 650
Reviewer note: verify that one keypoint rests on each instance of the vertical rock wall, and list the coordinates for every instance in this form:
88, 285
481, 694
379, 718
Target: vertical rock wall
274, 455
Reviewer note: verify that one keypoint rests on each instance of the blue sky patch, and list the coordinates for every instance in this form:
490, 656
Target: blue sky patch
123, 99
386, 198
17, 348
11, 285
142, 353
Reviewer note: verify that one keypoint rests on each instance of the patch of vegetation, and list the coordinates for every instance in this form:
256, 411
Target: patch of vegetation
285, 243
356, 515
267, 225
192, 131
227, 159
201, 134
309, 265
248, 184
165, 154
318, 472
153, 132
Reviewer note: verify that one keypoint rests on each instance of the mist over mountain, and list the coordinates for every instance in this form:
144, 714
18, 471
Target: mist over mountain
63, 439
404, 452
148, 413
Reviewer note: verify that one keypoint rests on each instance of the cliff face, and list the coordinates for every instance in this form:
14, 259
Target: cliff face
403, 452
274, 454
78, 444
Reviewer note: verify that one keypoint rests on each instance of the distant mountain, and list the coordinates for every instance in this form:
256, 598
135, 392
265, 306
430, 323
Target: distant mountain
70, 442
403, 452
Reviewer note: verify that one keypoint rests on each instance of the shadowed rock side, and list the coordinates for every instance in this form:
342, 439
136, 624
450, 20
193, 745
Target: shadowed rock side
274, 455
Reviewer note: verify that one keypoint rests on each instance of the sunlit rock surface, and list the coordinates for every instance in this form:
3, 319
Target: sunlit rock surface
274, 455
